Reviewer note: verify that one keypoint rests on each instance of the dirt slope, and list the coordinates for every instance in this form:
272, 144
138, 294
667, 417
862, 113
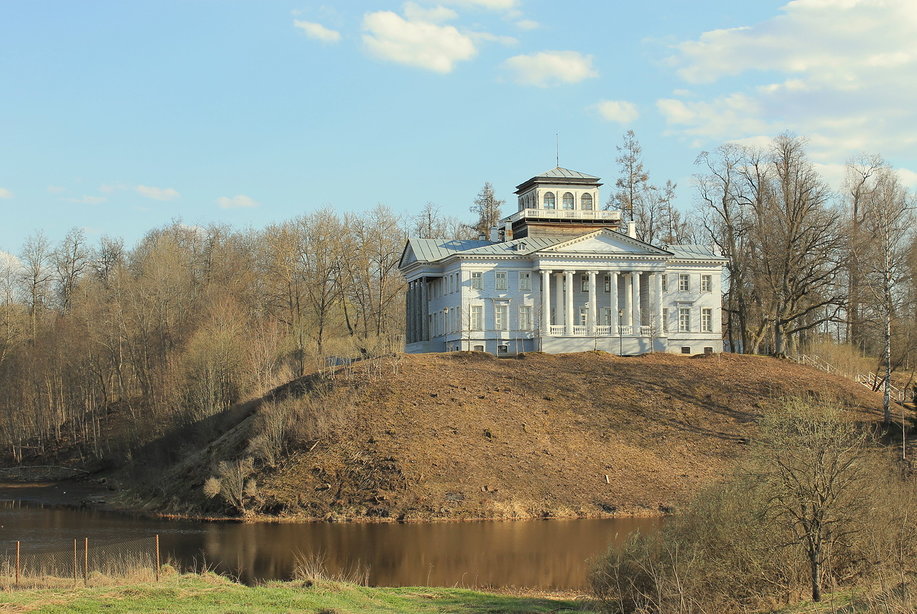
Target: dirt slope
471, 436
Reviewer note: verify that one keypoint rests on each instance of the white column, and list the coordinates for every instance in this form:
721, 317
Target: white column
660, 303
545, 303
628, 299
593, 317
613, 302
636, 301
558, 298
568, 295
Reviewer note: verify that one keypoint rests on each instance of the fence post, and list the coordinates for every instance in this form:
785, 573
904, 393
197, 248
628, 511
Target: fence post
17, 563
157, 557
75, 564
85, 561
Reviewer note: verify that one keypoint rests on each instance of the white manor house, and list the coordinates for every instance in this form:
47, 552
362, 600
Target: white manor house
559, 275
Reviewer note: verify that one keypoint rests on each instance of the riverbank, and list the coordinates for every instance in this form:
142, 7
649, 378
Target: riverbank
206, 593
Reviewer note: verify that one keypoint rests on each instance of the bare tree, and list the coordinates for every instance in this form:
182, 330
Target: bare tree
35, 277
487, 207
813, 461
632, 181
728, 225
887, 223
71, 260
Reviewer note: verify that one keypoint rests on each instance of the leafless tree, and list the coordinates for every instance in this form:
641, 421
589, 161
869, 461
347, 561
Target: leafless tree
487, 208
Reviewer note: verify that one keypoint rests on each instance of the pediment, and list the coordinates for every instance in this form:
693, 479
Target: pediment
604, 241
407, 256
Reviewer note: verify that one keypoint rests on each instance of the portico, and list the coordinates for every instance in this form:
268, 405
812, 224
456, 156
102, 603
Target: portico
601, 302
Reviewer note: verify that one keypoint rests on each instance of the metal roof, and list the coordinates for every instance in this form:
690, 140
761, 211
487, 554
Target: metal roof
565, 173
526, 245
431, 250
695, 252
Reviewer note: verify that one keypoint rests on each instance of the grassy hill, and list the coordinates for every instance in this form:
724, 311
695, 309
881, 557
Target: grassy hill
461, 436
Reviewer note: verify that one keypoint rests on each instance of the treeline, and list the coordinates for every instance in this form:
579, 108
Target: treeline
186, 323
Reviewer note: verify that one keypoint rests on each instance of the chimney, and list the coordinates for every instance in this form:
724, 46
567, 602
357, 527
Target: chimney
632, 229
508, 231
495, 234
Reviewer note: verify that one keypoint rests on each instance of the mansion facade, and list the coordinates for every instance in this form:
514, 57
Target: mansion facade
559, 275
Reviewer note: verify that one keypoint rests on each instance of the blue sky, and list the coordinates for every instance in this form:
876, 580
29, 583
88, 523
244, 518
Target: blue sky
119, 117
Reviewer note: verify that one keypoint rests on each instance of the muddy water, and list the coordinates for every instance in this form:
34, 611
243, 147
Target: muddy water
537, 554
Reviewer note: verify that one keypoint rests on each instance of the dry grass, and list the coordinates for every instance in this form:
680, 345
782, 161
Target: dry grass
468, 436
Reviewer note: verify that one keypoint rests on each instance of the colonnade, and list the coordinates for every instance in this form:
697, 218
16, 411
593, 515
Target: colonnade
626, 311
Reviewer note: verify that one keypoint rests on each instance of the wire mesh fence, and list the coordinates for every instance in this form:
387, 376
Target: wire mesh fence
81, 561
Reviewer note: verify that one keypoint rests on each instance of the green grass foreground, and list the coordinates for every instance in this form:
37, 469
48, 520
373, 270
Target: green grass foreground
191, 593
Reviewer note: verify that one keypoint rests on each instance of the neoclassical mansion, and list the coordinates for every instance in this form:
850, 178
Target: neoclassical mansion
559, 275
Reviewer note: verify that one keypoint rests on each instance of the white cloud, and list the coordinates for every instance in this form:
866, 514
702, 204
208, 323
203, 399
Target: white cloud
842, 78
619, 111
4, 193
527, 24
436, 14
415, 42
239, 201
108, 188
548, 68
87, 200
157, 193
494, 38
56, 189
317, 31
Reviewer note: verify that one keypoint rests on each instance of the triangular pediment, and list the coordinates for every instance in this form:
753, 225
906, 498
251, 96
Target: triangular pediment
604, 241
407, 256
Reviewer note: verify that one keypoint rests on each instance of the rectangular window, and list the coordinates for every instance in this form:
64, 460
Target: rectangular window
683, 282
477, 317
525, 281
583, 316
606, 316
705, 283
665, 282
476, 281
684, 319
706, 320
686, 350
525, 317
500, 283
665, 318
500, 313
608, 283
584, 283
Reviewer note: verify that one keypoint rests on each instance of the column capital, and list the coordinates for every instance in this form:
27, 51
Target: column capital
548, 271
594, 272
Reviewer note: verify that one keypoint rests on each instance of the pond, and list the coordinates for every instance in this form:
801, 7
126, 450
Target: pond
544, 554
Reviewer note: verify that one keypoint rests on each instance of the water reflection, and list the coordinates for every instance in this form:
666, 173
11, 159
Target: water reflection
544, 554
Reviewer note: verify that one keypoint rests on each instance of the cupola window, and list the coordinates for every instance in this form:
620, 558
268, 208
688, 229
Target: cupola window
586, 202
568, 201
549, 200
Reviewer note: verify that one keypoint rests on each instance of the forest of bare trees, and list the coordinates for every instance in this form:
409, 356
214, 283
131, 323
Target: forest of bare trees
805, 262
184, 324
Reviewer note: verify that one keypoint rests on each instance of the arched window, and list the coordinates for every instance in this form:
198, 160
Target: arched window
586, 202
568, 201
549, 200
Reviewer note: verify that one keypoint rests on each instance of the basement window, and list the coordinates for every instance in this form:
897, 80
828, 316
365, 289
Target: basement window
686, 349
